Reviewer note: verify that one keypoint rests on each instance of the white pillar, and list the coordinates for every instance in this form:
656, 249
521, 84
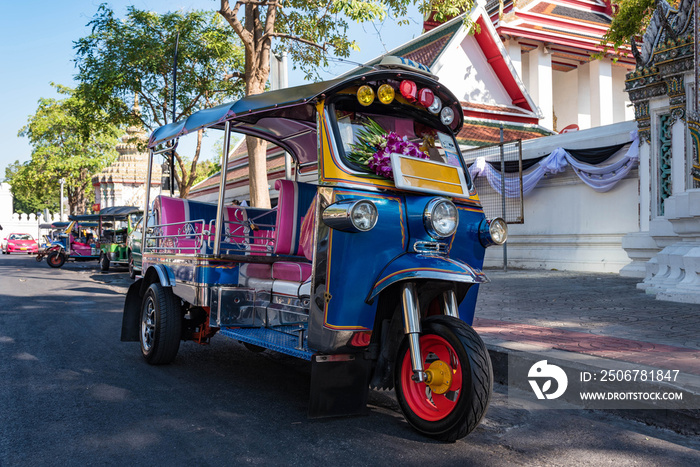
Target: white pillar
584, 96
540, 70
645, 185
601, 92
516, 56
678, 161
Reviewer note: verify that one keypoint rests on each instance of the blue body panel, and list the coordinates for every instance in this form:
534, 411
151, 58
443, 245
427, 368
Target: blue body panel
362, 264
418, 266
357, 259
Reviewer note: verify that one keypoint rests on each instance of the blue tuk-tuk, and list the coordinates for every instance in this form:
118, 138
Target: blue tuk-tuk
370, 272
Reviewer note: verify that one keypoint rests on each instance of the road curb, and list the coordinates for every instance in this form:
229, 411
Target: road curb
685, 421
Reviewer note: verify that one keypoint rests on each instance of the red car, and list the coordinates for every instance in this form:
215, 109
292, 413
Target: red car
20, 243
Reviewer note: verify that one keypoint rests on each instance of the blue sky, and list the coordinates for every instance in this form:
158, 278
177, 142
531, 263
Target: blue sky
36, 48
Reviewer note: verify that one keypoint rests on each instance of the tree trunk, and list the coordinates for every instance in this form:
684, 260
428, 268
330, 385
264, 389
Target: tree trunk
257, 172
257, 148
257, 42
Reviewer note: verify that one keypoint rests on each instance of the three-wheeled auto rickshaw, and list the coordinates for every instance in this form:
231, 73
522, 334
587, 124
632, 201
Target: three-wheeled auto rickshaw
78, 242
53, 230
116, 223
370, 272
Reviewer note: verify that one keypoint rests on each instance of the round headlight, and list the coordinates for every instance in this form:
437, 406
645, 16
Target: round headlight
363, 215
436, 106
440, 218
350, 215
493, 232
447, 115
498, 230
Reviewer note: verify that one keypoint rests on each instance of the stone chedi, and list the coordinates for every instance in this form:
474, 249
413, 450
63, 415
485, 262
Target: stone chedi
124, 182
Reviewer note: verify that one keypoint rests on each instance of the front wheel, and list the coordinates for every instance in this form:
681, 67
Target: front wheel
454, 399
56, 259
161, 325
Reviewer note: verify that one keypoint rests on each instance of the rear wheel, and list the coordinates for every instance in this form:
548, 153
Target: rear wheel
454, 399
104, 262
55, 259
161, 325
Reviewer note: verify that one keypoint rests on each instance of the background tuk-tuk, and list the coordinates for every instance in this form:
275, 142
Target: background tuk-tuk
79, 242
370, 271
54, 229
116, 222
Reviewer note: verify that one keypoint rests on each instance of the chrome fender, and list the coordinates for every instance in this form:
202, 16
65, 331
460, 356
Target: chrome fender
162, 273
411, 266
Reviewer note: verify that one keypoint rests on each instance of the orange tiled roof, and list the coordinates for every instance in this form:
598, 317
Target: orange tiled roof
483, 133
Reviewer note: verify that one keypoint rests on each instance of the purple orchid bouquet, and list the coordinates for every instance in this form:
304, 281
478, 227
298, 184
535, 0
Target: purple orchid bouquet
375, 145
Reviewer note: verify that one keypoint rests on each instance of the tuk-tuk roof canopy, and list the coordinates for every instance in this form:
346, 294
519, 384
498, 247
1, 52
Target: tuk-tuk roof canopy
112, 212
119, 211
287, 117
84, 217
55, 225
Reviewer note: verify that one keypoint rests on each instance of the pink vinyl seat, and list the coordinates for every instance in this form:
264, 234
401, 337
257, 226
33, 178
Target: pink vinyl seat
294, 201
188, 228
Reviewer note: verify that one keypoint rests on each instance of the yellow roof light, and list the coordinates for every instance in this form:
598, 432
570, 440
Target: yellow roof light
385, 93
365, 95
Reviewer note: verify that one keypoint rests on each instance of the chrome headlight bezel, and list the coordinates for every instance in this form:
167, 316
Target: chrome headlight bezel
493, 231
351, 215
433, 218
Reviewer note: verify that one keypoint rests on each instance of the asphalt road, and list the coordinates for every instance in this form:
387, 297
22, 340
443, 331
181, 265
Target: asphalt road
72, 394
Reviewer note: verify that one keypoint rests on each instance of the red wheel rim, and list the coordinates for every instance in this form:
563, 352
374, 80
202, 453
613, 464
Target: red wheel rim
419, 397
54, 259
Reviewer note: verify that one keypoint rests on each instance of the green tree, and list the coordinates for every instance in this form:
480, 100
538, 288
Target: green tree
30, 191
630, 20
129, 59
309, 31
68, 141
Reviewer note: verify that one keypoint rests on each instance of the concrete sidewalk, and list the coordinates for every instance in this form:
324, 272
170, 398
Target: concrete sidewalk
592, 322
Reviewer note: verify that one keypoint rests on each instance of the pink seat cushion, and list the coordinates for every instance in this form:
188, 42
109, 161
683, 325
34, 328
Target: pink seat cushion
306, 237
290, 271
293, 201
258, 270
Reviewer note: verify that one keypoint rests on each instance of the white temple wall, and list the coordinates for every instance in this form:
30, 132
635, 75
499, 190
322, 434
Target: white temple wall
13, 222
5, 202
568, 225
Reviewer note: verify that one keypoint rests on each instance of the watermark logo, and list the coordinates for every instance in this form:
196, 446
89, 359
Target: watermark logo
542, 374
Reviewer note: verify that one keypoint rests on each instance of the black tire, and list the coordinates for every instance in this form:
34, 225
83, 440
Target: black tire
132, 271
104, 262
161, 325
55, 259
456, 412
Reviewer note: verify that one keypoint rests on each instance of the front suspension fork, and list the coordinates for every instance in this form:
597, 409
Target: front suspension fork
411, 323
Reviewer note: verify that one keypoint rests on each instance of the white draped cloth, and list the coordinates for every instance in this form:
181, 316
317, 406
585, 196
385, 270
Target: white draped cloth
601, 179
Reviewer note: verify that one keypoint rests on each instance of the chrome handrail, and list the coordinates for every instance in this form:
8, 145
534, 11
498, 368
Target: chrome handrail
187, 230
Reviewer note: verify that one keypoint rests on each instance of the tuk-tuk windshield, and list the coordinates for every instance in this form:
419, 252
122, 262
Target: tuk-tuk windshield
363, 133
